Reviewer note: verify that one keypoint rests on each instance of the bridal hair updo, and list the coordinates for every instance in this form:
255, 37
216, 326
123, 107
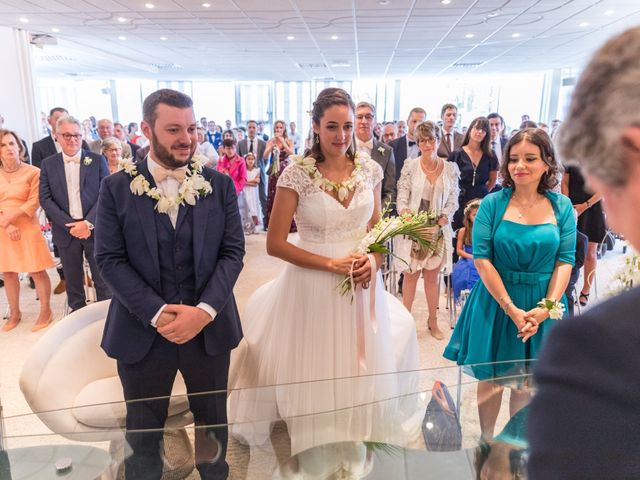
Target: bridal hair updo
327, 98
539, 138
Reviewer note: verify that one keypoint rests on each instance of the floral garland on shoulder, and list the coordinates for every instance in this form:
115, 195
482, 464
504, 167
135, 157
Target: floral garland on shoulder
194, 186
342, 189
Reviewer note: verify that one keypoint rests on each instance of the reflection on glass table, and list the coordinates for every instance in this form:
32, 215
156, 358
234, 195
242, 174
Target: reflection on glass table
426, 426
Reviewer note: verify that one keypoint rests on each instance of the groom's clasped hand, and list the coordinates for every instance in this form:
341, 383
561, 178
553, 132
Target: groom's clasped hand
181, 323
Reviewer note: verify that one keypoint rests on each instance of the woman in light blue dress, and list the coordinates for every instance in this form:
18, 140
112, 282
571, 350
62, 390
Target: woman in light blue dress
523, 247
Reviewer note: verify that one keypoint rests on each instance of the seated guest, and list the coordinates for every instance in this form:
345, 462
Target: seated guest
22, 246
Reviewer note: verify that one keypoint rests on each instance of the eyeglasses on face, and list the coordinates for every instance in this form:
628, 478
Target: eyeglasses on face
427, 140
113, 149
69, 136
368, 117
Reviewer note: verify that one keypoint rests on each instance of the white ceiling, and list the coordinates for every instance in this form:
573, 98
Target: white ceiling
247, 39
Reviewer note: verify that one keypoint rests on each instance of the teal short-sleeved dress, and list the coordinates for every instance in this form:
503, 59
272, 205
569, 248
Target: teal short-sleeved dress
525, 257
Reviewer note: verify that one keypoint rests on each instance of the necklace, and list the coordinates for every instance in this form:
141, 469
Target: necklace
4, 168
520, 207
474, 166
342, 189
429, 172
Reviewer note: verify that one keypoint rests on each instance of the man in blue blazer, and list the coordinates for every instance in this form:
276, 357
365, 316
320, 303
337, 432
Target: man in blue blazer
583, 421
69, 186
169, 243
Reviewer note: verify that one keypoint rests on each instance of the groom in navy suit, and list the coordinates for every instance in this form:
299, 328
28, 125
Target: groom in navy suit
69, 186
172, 267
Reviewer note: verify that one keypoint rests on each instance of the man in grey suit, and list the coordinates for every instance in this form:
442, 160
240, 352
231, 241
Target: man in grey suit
256, 145
451, 139
106, 129
583, 421
380, 152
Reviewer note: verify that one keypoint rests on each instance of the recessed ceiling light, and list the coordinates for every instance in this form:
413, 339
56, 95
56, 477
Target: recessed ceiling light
122, 19
609, 12
24, 20
340, 64
121, 37
384, 2
163, 38
469, 35
149, 5
55, 30
516, 35
584, 24
445, 2
334, 37
290, 37
206, 5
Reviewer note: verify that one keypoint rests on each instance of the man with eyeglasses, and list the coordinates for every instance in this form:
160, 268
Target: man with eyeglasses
380, 152
69, 187
47, 146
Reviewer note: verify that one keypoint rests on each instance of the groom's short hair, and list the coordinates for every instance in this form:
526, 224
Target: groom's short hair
173, 98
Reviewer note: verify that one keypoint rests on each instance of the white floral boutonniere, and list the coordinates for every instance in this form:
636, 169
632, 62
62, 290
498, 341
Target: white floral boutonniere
87, 161
193, 186
381, 150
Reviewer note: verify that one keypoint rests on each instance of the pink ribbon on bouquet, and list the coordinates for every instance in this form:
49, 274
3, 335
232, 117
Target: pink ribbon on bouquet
359, 298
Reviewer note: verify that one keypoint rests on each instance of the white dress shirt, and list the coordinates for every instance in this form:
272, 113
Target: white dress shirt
365, 147
412, 151
72, 176
170, 187
56, 144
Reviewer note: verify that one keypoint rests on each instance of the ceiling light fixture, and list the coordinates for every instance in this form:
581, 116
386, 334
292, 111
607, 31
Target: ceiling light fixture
469, 35
290, 37
206, 5
24, 20
55, 30
149, 5
516, 35
163, 38
384, 2
340, 64
122, 19
445, 2
584, 24
121, 37
609, 12
334, 37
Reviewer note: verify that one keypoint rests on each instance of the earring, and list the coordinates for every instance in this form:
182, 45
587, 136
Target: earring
316, 138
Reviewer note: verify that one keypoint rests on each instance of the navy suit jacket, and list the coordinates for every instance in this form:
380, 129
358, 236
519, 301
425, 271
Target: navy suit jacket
583, 421
126, 250
54, 197
399, 146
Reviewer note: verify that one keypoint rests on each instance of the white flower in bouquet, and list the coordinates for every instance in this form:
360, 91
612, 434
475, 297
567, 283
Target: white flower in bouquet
628, 276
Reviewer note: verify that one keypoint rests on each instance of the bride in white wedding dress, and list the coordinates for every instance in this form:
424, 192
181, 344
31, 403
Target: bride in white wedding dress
299, 328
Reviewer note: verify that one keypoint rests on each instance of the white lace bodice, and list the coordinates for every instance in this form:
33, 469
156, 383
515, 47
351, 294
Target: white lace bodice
320, 218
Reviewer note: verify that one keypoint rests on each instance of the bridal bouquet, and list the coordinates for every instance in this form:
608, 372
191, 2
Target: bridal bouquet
414, 226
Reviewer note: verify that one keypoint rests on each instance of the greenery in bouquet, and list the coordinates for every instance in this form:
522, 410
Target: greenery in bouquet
418, 227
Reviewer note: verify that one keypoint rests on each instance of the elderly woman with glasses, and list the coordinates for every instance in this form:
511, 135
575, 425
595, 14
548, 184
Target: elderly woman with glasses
111, 149
427, 182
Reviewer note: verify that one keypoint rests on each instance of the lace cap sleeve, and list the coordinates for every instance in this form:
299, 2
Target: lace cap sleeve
296, 179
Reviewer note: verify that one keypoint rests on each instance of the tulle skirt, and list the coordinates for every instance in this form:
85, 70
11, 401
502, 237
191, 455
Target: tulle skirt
298, 328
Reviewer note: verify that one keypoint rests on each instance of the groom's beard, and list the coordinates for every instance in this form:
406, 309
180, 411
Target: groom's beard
164, 156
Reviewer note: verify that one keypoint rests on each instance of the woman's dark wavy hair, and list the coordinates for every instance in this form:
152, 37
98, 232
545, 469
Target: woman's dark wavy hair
541, 139
328, 98
483, 123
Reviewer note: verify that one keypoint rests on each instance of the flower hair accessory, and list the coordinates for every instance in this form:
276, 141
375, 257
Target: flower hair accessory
475, 203
87, 161
556, 308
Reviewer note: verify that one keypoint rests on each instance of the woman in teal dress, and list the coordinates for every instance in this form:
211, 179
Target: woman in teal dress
523, 247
